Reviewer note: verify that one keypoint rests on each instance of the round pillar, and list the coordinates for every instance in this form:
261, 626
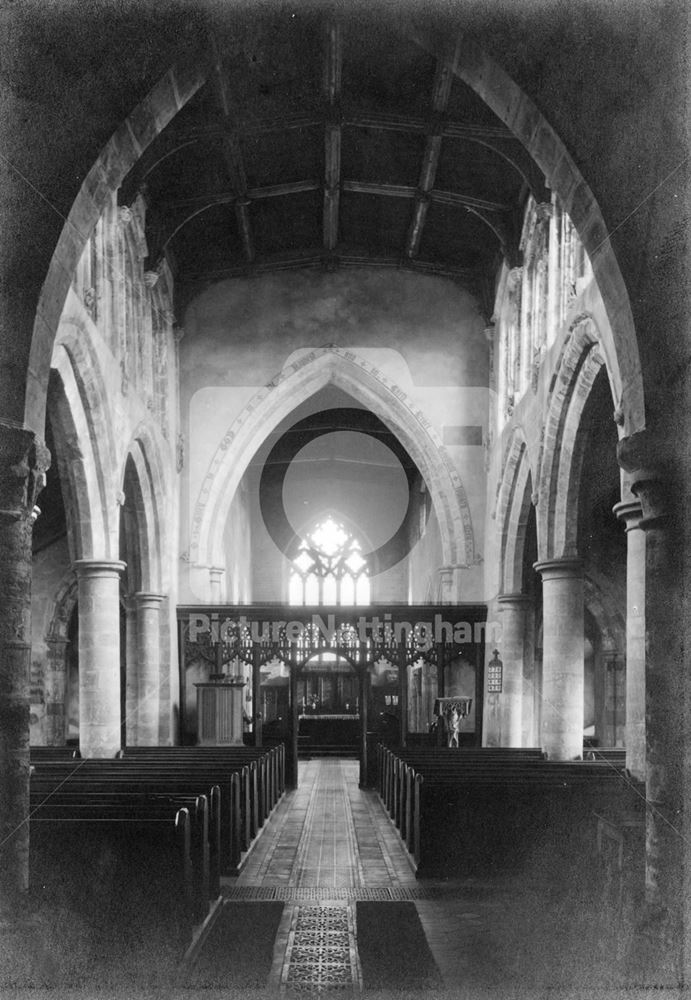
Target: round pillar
513, 608
650, 460
562, 664
664, 699
148, 645
99, 656
631, 513
23, 461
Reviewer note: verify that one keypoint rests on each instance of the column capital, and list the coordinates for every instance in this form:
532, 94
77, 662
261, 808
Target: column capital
554, 569
645, 455
630, 512
57, 642
24, 461
647, 458
98, 567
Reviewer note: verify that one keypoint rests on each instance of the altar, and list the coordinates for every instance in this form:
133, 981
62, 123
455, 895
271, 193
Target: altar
323, 729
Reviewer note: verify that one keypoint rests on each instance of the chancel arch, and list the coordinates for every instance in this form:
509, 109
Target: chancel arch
319, 368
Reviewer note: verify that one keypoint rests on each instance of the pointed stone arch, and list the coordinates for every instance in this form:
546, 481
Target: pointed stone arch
118, 156
144, 486
521, 115
368, 385
84, 443
561, 452
513, 508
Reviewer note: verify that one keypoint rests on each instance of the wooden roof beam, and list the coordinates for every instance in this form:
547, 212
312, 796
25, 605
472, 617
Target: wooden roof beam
443, 79
333, 60
232, 155
314, 258
179, 213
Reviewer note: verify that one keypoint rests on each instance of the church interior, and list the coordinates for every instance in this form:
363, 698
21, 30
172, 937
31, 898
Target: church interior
344, 521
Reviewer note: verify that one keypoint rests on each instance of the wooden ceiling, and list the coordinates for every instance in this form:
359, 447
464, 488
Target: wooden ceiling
326, 143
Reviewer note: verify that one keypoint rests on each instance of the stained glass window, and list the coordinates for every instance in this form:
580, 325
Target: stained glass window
329, 568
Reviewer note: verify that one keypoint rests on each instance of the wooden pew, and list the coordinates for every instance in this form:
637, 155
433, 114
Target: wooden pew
148, 856
248, 791
463, 813
110, 810
270, 762
612, 755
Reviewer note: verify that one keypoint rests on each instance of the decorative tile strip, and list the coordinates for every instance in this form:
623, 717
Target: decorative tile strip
321, 957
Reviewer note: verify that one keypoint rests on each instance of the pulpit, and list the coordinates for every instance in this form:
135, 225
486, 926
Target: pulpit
219, 712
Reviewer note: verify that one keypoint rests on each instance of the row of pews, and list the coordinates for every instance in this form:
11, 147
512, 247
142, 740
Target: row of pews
162, 823
485, 810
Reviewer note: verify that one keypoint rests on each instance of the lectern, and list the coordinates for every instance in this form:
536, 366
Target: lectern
219, 713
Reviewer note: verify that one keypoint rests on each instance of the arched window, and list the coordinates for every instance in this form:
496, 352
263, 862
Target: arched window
329, 568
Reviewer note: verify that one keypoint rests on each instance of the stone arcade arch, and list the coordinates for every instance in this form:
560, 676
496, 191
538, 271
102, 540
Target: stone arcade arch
511, 515
511, 722
84, 445
143, 548
333, 365
561, 455
518, 112
562, 570
119, 155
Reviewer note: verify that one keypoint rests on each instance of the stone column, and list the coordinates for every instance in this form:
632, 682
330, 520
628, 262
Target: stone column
647, 460
55, 691
513, 609
23, 461
148, 615
562, 667
99, 656
631, 513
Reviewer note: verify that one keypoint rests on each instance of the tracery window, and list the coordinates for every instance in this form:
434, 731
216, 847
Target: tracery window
329, 568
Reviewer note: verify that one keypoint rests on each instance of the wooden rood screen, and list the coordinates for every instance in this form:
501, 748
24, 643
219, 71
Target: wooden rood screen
351, 675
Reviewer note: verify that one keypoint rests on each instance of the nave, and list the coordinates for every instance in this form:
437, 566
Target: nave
330, 879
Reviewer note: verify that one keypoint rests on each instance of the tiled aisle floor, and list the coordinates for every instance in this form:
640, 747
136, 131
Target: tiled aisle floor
327, 845
328, 834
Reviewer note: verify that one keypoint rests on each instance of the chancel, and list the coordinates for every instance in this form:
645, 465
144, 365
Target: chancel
344, 532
